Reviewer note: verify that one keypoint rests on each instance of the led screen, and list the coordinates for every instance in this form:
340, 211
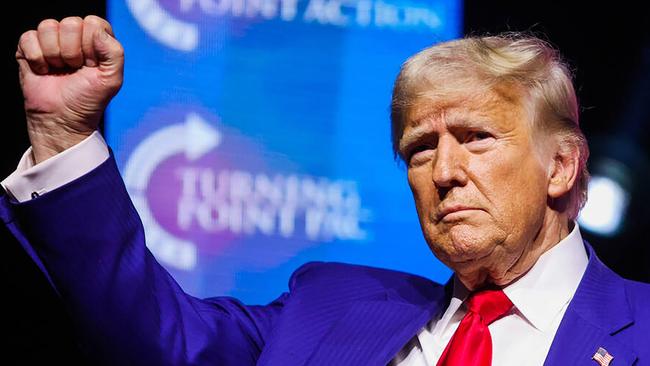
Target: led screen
254, 135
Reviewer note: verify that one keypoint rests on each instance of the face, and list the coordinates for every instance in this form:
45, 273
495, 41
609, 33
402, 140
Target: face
478, 180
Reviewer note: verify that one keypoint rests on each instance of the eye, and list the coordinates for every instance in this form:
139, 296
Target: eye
478, 136
418, 153
478, 140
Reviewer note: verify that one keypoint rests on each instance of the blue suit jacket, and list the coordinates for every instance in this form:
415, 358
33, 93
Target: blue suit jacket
87, 239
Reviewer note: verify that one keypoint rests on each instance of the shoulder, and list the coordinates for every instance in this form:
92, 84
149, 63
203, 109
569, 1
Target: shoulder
638, 296
358, 280
638, 299
331, 272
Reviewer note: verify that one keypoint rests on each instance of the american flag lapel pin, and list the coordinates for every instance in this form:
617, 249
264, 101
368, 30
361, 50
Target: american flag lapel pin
602, 357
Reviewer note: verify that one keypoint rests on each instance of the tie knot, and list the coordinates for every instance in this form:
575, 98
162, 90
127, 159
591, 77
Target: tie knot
489, 304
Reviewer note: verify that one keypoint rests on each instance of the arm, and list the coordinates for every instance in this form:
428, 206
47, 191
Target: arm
86, 236
126, 306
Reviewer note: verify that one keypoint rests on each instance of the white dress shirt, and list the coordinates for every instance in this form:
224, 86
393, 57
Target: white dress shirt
29, 180
522, 337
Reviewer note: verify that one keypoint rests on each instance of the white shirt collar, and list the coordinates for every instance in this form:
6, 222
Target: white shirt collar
545, 289
541, 293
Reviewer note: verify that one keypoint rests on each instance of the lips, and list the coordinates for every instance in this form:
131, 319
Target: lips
450, 209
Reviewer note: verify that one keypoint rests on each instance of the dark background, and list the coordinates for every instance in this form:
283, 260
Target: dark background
607, 45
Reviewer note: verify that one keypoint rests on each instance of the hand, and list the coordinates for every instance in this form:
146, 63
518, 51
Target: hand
69, 71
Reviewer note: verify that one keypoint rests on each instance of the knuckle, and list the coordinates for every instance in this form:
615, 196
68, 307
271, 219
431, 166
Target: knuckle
47, 25
87, 47
94, 21
119, 51
97, 22
71, 22
52, 58
114, 84
50, 53
26, 37
70, 54
33, 58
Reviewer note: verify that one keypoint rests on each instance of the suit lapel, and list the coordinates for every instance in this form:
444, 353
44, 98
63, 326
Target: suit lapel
372, 332
597, 312
5, 212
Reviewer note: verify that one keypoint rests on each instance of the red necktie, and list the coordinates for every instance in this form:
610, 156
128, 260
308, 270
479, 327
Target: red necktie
471, 345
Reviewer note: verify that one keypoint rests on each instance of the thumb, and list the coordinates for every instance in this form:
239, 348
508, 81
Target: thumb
27, 72
109, 52
23, 66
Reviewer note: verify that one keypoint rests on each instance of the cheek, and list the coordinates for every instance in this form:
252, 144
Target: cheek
518, 192
422, 188
531, 179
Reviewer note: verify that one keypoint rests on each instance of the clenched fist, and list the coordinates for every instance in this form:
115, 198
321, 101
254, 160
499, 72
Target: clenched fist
69, 71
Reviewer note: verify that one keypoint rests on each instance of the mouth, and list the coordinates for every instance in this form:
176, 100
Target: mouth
452, 212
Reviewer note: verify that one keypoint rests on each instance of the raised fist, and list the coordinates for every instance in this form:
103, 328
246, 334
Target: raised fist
69, 71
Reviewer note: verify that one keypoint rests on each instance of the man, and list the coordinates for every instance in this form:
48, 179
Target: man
488, 128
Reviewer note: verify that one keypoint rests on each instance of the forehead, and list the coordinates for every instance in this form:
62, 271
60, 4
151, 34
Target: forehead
499, 107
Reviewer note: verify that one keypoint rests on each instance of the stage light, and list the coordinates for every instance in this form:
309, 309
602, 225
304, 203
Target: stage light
618, 170
604, 211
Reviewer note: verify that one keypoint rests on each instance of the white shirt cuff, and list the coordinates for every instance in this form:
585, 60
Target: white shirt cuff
29, 181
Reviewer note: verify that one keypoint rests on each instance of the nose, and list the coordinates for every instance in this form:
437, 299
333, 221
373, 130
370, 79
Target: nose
449, 164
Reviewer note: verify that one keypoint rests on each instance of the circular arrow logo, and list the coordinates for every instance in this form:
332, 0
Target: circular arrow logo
163, 26
243, 202
194, 137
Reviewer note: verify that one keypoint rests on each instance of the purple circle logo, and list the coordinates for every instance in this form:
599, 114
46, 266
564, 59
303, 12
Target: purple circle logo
205, 191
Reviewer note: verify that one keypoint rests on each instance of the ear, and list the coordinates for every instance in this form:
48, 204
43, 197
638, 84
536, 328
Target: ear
563, 170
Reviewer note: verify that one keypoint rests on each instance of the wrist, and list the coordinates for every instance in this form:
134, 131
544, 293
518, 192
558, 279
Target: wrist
47, 141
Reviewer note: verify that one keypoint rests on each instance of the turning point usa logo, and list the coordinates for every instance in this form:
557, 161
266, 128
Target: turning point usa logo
202, 189
179, 24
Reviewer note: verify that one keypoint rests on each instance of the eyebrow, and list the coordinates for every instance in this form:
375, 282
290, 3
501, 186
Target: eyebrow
414, 135
453, 122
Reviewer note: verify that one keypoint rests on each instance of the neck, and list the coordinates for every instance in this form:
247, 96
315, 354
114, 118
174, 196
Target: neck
508, 269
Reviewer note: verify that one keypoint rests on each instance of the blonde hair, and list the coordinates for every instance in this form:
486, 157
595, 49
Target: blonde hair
486, 62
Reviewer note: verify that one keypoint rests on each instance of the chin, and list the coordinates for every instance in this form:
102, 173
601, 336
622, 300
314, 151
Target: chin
464, 245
